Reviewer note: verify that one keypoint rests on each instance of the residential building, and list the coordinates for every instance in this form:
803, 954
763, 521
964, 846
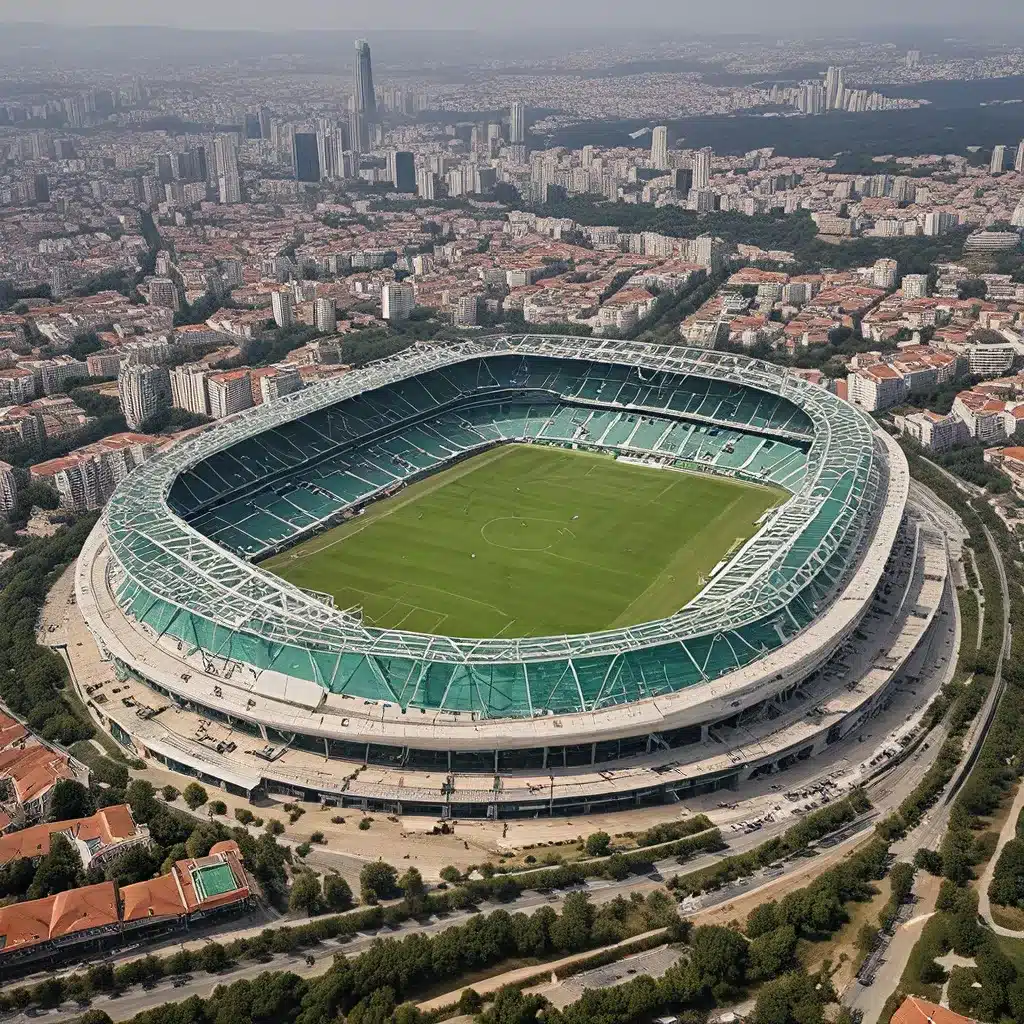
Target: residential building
659, 148
230, 392
142, 392
8, 489
933, 431
398, 299
163, 292
283, 307
517, 124
915, 286
270, 382
702, 167
60, 929
884, 274
325, 316
85, 478
999, 158
104, 364
102, 838
188, 388
467, 309
17, 385
876, 387
991, 360
914, 1010
939, 222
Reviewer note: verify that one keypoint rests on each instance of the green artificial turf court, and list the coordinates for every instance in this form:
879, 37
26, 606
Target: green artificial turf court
528, 540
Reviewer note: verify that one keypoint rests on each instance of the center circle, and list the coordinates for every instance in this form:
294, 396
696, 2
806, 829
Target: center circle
519, 533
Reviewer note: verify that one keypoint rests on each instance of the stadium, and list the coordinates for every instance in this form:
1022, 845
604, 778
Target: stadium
461, 582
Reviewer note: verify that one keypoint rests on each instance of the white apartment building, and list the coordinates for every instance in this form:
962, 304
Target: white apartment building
991, 360
398, 300
85, 478
8, 489
933, 431
283, 308
275, 381
230, 392
142, 391
876, 387
325, 316
17, 385
189, 390
915, 286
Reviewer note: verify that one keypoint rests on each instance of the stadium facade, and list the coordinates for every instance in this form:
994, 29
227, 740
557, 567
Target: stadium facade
761, 669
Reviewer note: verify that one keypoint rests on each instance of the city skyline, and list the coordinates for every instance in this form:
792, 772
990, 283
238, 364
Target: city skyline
747, 16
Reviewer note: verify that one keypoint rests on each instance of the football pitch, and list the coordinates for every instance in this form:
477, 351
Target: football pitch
526, 540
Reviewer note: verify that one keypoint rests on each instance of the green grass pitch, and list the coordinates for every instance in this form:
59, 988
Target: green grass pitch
526, 540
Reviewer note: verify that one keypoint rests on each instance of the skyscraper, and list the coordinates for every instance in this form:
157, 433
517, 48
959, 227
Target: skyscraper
659, 148
402, 170
365, 98
1018, 163
834, 88
998, 162
307, 157
517, 124
142, 391
281, 302
325, 316
702, 167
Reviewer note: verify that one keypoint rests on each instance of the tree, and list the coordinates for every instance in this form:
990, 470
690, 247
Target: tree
411, 883
772, 953
274, 827
306, 896
719, 955
195, 796
572, 931
470, 1002
169, 793
510, 1006
598, 843
137, 865
218, 807
70, 800
141, 797
337, 893
213, 958
377, 881
58, 871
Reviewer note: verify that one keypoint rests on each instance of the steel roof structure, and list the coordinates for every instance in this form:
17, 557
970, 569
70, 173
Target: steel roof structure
167, 573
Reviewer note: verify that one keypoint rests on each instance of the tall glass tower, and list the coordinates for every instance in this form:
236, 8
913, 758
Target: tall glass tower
365, 98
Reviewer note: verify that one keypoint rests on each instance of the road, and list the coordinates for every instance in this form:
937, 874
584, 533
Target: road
869, 1000
1009, 831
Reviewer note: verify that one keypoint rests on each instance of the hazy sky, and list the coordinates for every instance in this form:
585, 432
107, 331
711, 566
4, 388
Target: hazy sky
776, 16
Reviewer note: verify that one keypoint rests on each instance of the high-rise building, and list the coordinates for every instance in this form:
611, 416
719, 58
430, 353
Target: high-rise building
835, 91
163, 168
264, 116
358, 133
398, 300
225, 154
884, 273
252, 126
659, 148
402, 170
8, 489
913, 58
1018, 162
230, 392
142, 392
306, 156
702, 167
188, 388
325, 316
230, 188
517, 124
998, 162
284, 313
163, 292
467, 310
365, 100
426, 183
41, 188
939, 222
59, 281
914, 286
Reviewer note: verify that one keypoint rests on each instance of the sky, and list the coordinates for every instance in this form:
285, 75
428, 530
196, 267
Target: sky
776, 16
